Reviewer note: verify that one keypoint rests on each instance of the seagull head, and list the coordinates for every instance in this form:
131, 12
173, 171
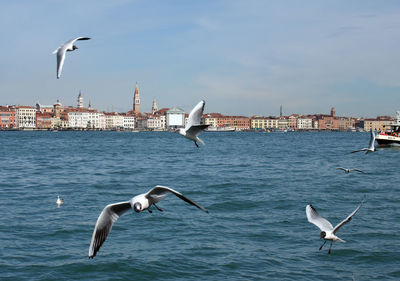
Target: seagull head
323, 234
74, 47
137, 207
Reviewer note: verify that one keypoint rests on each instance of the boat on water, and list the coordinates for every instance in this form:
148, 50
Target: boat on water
220, 129
390, 137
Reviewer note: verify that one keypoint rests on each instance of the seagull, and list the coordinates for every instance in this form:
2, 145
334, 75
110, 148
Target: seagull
60, 51
327, 230
349, 170
59, 201
193, 127
371, 147
139, 203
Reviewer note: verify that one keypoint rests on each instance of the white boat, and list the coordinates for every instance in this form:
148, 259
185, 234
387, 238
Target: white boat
220, 129
390, 137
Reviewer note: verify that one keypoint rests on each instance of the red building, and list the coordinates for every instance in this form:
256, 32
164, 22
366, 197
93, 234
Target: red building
7, 117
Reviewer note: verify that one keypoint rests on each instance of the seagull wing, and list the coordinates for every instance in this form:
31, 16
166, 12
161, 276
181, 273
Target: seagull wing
314, 218
364, 149
341, 168
346, 220
372, 141
357, 170
60, 60
195, 115
196, 129
104, 224
158, 193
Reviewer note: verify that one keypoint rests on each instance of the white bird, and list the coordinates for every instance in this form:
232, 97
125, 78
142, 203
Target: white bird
349, 170
193, 127
60, 51
371, 146
138, 203
328, 232
59, 201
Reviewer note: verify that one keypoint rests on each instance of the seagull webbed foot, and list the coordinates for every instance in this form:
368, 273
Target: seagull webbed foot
150, 211
330, 247
196, 144
161, 210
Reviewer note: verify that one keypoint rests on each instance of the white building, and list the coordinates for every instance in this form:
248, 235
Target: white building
82, 119
114, 121
129, 122
304, 123
175, 117
25, 117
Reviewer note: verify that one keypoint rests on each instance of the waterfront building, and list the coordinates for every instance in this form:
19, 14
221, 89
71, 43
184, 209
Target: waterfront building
264, 123
7, 117
114, 121
25, 117
283, 123
292, 121
129, 121
304, 123
211, 119
43, 120
237, 122
175, 118
83, 118
136, 100
347, 123
380, 123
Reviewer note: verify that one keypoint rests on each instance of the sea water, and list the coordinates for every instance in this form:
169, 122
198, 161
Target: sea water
255, 185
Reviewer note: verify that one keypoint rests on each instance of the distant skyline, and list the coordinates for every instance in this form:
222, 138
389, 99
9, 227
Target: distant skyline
241, 57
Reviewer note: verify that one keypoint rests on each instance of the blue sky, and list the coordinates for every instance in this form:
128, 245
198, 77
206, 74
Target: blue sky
243, 57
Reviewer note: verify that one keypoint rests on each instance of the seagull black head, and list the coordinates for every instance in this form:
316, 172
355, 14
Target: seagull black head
74, 47
323, 234
137, 207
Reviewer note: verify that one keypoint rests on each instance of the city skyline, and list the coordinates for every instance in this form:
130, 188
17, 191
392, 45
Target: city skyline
242, 57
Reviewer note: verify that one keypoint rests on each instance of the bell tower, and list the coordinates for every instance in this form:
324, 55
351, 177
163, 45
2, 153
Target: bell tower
136, 100
154, 108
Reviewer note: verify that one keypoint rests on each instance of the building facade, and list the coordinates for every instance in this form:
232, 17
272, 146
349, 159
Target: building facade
7, 117
25, 117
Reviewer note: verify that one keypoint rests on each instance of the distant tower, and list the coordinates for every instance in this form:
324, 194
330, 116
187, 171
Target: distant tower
333, 112
90, 106
154, 108
136, 100
280, 112
80, 100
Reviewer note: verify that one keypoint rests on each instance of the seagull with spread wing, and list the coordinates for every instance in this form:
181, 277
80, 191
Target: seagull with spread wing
66, 47
349, 170
328, 232
139, 203
371, 146
193, 127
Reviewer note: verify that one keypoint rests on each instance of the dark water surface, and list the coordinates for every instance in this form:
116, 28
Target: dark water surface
255, 185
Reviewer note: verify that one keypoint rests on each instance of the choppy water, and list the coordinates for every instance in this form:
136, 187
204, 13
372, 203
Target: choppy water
255, 185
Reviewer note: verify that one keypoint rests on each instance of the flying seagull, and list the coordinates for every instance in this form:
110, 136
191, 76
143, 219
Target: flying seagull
138, 203
60, 51
349, 170
327, 230
59, 201
371, 147
193, 127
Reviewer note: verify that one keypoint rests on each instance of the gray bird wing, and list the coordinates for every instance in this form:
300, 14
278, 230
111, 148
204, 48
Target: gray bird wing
314, 218
357, 170
196, 129
346, 220
372, 140
159, 192
341, 168
60, 60
195, 115
104, 223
